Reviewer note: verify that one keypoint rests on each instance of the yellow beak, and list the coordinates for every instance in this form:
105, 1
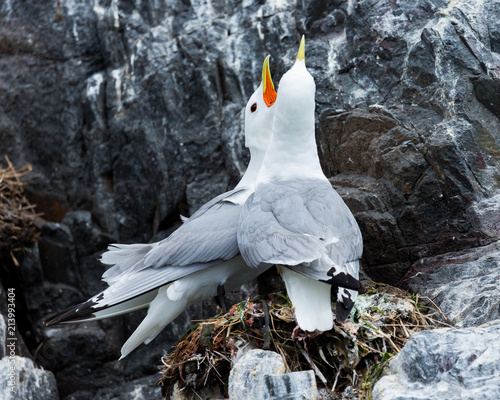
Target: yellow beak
301, 55
268, 86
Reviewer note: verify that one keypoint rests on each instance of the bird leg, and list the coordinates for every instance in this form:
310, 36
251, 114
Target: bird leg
265, 327
220, 299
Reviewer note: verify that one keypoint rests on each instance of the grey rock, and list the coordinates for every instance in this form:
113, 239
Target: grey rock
197, 191
261, 374
3, 300
137, 389
38, 297
85, 379
246, 378
398, 129
87, 237
445, 364
464, 285
485, 214
300, 385
31, 279
86, 341
90, 271
57, 254
28, 381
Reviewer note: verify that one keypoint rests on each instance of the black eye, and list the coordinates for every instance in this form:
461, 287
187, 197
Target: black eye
253, 107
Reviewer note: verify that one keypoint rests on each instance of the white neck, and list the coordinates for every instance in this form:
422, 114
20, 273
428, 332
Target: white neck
293, 152
254, 166
248, 181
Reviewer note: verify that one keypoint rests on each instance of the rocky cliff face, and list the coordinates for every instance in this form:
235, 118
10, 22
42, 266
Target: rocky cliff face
131, 113
445, 364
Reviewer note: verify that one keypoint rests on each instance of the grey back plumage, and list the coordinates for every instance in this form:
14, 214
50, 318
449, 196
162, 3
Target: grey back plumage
302, 223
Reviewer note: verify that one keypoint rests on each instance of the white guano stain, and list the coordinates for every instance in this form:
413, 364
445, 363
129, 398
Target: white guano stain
99, 10
94, 86
116, 14
336, 45
117, 76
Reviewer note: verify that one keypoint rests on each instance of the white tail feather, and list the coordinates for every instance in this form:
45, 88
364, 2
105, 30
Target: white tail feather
311, 300
161, 312
123, 257
174, 298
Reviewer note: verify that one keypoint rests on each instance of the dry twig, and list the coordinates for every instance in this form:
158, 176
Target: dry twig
17, 215
384, 318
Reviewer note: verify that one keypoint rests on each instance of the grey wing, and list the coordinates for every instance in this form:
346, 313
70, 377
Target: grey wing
129, 293
204, 239
197, 244
208, 205
276, 227
263, 240
317, 210
200, 240
304, 224
134, 284
208, 234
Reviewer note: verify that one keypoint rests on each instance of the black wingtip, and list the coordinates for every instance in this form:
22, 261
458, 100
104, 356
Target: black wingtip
345, 280
80, 312
341, 313
343, 308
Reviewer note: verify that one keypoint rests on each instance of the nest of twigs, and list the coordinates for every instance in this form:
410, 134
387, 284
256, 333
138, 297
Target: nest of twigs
347, 360
17, 215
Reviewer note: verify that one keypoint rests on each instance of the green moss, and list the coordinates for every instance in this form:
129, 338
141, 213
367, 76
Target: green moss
374, 374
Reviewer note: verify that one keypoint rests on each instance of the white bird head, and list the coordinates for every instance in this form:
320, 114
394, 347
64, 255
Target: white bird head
292, 150
295, 102
259, 113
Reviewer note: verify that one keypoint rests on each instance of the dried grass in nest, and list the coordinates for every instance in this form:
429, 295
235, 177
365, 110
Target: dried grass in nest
17, 215
349, 358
